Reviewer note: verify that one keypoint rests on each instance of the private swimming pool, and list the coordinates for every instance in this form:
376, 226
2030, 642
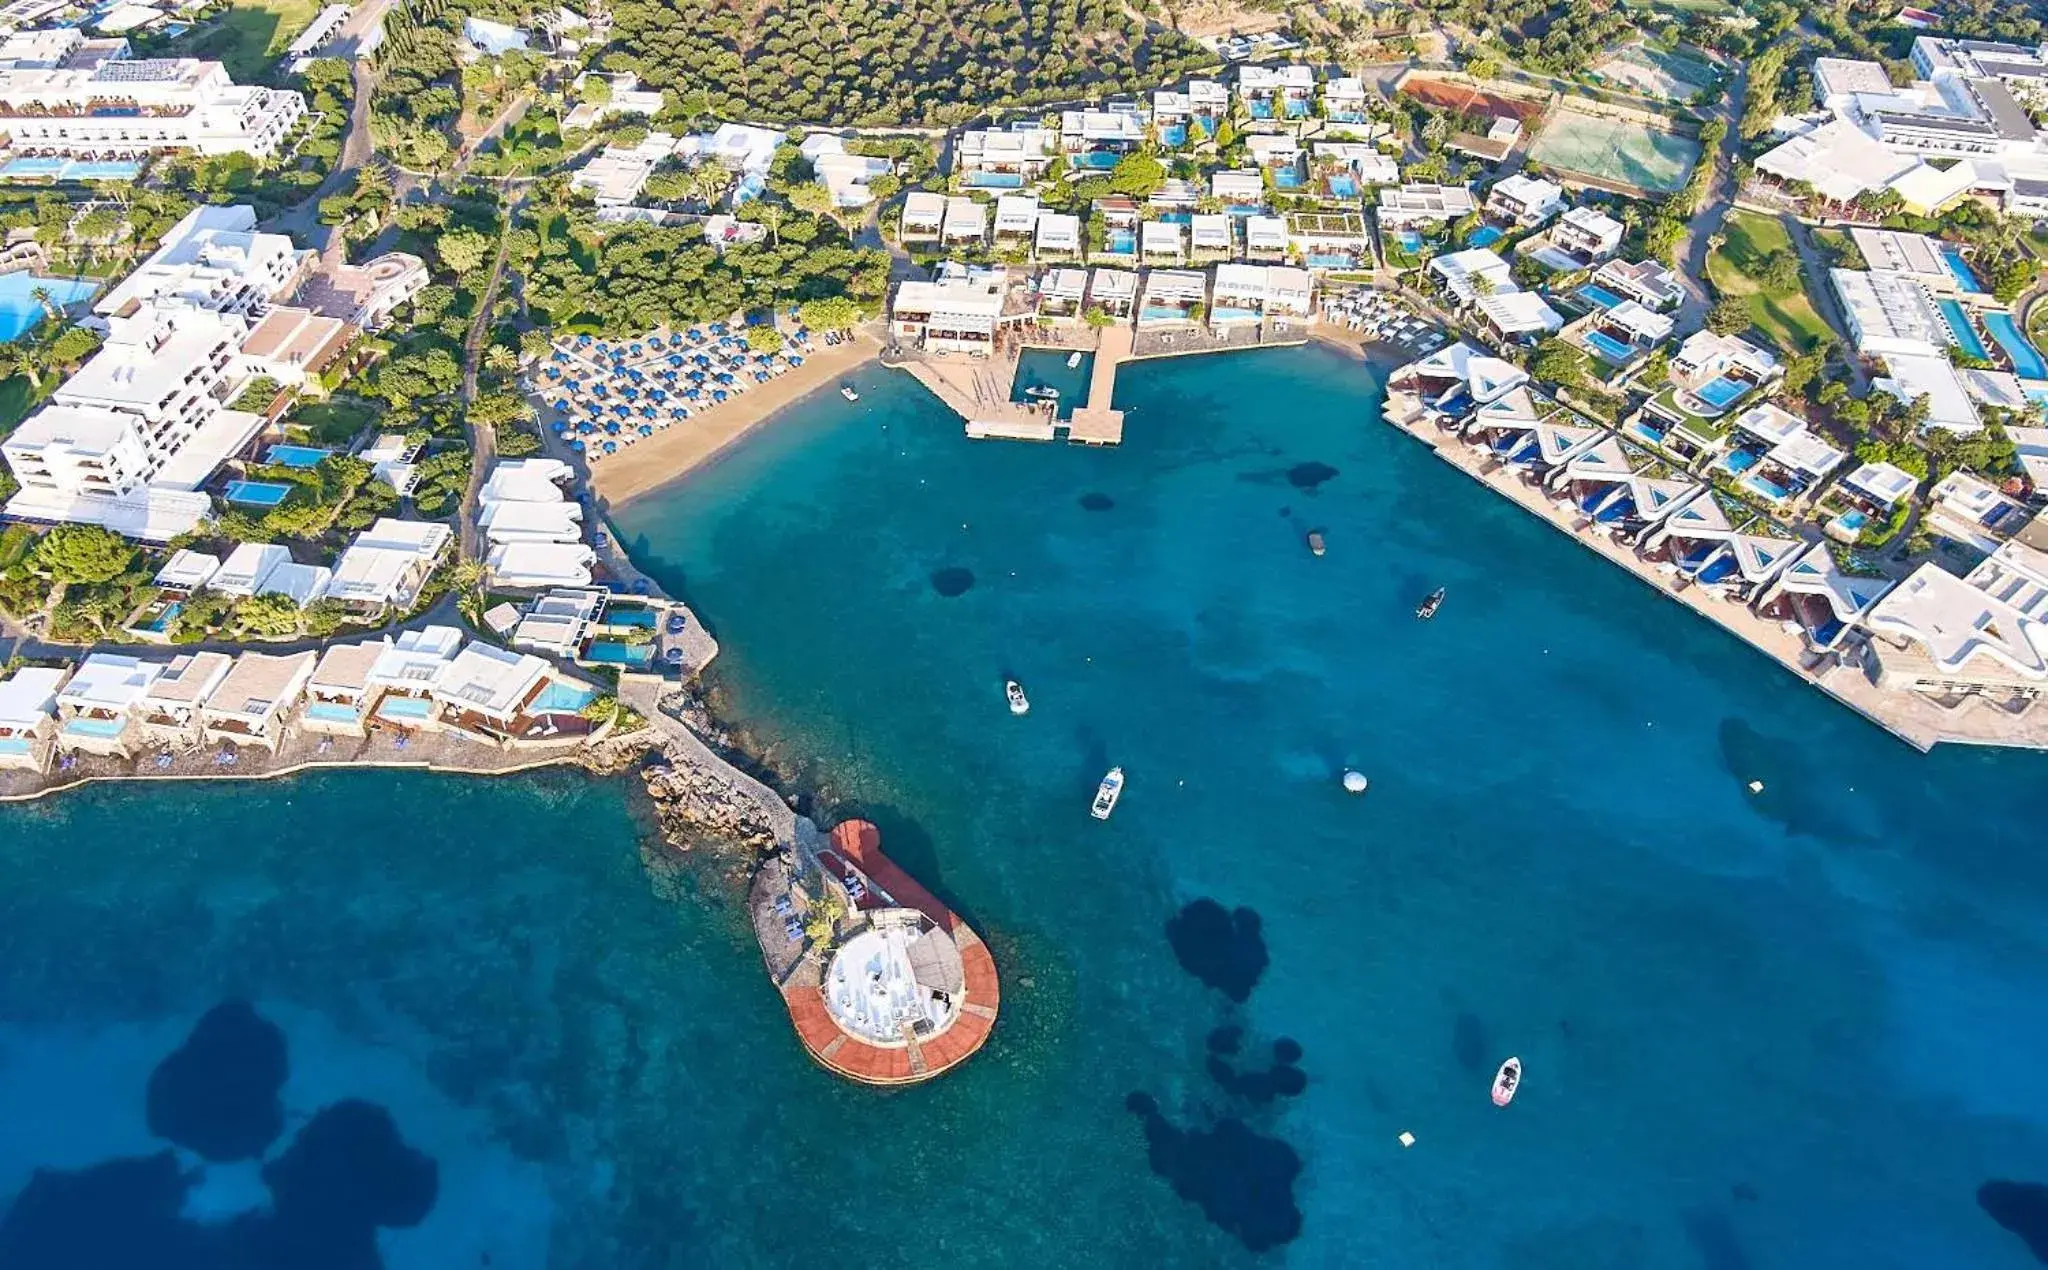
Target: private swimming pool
2026, 359
1486, 236
334, 712
104, 728
1613, 349
1173, 134
562, 698
19, 308
257, 493
1162, 313
1964, 275
1720, 392
1410, 240
1767, 487
994, 181
301, 456
1344, 186
617, 652
1286, 179
1096, 160
1122, 242
1966, 335
1594, 293
405, 709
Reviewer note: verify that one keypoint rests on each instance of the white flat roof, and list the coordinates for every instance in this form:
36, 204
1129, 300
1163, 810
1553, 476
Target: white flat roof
188, 570
1883, 481
219, 439
29, 696
109, 681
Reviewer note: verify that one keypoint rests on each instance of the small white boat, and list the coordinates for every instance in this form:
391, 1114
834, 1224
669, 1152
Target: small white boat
1015, 692
1073, 361
1316, 545
846, 391
1044, 392
1506, 1081
1107, 793
1427, 609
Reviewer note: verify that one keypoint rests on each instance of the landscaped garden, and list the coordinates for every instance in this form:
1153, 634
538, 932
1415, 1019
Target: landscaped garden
1757, 264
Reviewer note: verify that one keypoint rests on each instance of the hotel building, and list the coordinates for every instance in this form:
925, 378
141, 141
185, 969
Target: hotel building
125, 108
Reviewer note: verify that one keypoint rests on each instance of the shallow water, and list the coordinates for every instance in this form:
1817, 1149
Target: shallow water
1776, 1030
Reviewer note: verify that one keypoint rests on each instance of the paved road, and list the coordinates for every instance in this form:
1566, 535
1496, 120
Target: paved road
483, 442
1693, 248
1822, 292
303, 221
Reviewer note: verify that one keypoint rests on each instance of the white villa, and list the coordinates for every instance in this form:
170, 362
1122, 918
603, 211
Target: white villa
1525, 201
1405, 206
168, 714
1588, 231
252, 703
28, 716
386, 565
96, 705
215, 258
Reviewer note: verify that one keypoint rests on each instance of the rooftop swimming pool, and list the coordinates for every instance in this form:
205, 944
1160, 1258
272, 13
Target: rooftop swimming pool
1485, 236
1966, 335
560, 697
257, 493
1594, 293
302, 456
1720, 392
1964, 275
2026, 359
19, 308
1609, 347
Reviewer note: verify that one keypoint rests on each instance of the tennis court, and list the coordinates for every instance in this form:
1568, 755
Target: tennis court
1655, 73
1614, 152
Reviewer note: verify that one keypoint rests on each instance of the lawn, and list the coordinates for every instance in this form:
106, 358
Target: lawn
252, 34
1786, 317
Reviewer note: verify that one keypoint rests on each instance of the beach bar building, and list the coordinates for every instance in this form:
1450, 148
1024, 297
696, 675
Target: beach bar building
168, 714
28, 717
338, 692
97, 704
1985, 633
253, 704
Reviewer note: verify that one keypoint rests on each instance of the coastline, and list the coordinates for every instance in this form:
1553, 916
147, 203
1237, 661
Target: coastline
674, 453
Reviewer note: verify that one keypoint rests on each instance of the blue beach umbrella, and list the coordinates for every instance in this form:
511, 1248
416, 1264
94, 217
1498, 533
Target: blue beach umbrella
647, 411
675, 359
795, 360
611, 447
611, 429
679, 412
576, 445
694, 394
718, 394
646, 430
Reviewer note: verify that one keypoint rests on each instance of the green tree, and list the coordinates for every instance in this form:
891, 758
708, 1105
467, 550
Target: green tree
829, 313
325, 616
83, 554
1557, 362
764, 339
1137, 175
462, 250
1729, 315
270, 615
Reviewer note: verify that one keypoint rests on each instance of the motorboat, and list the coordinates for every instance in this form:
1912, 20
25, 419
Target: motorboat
1427, 609
1074, 360
1106, 794
1043, 392
1506, 1081
846, 391
1315, 542
1015, 692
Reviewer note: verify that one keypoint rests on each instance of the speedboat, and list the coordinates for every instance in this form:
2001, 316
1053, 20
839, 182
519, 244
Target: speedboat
1044, 392
1506, 1081
1015, 692
1073, 361
1427, 609
846, 391
1106, 794
1315, 542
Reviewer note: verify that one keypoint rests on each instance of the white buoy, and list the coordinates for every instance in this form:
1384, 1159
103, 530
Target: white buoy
1407, 1139
1355, 781
1756, 787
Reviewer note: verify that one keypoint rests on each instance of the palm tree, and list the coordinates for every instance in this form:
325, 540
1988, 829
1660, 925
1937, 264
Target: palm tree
42, 296
771, 215
20, 359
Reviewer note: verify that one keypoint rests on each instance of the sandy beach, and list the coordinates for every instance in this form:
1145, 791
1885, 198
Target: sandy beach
661, 458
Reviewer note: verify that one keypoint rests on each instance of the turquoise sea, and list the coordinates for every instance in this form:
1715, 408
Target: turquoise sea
1788, 1029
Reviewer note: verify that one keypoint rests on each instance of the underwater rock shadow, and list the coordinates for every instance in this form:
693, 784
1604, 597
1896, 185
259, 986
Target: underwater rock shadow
2020, 1207
1222, 947
1469, 1043
346, 1174
1241, 1180
1788, 800
1284, 1079
216, 1095
952, 581
1096, 501
1713, 1236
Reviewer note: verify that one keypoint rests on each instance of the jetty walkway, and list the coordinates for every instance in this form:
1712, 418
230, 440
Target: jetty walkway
982, 389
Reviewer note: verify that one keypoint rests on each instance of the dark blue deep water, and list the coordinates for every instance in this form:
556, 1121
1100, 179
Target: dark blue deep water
450, 1023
